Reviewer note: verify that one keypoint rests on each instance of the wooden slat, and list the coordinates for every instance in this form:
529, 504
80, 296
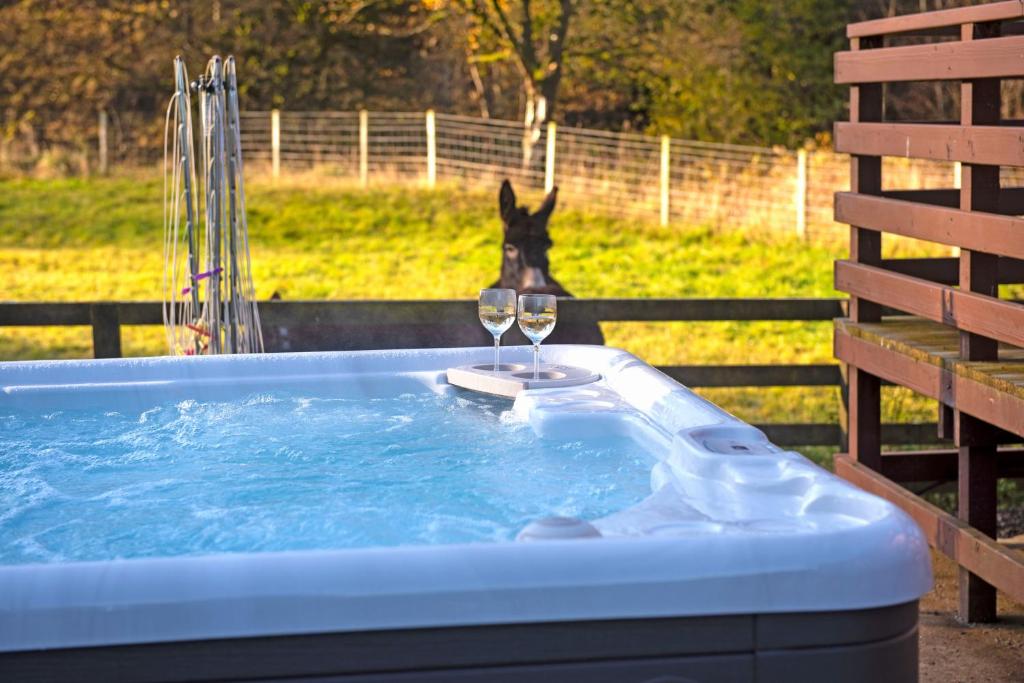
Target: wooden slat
388, 312
991, 58
1002, 567
753, 375
942, 465
44, 313
932, 376
1002, 145
970, 230
976, 313
994, 11
827, 434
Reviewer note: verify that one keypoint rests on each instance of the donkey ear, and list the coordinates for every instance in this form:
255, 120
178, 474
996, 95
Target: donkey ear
506, 200
548, 205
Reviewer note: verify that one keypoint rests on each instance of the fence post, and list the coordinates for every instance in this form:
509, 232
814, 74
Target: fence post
549, 159
103, 142
364, 147
800, 194
106, 330
666, 146
958, 174
275, 143
431, 149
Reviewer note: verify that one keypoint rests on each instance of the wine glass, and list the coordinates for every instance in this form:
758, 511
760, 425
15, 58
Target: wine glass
537, 314
497, 309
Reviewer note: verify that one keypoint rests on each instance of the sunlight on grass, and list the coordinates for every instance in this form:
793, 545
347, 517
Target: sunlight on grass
315, 238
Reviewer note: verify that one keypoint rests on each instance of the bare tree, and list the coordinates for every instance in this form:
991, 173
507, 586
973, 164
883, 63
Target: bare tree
534, 37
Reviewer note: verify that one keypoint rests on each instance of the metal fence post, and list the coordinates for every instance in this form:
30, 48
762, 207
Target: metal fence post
275, 143
431, 149
666, 146
549, 159
364, 147
800, 194
102, 135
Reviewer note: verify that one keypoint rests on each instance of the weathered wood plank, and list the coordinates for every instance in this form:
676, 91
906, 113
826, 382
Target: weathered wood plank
1002, 567
926, 360
976, 313
994, 11
990, 58
967, 229
975, 144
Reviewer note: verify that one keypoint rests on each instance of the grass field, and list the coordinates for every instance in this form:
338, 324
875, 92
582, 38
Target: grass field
100, 239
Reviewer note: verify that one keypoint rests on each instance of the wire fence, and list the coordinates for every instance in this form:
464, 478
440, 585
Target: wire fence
668, 180
672, 181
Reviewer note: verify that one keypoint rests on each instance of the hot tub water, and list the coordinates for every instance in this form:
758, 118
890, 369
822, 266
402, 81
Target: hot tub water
286, 471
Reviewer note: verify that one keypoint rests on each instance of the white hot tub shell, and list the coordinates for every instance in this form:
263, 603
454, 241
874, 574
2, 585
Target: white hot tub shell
770, 566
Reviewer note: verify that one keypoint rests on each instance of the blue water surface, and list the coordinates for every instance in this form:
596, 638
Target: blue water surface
279, 471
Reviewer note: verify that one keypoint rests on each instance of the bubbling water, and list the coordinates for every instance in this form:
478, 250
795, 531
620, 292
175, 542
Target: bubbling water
280, 471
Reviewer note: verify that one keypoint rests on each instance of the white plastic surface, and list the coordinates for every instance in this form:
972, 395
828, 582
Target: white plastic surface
513, 378
734, 525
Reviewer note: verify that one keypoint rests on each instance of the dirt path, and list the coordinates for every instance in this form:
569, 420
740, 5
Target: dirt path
954, 653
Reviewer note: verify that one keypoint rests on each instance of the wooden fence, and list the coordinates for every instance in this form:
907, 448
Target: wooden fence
106, 320
963, 345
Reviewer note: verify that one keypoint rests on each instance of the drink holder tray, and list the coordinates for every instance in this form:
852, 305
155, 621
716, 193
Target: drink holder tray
511, 378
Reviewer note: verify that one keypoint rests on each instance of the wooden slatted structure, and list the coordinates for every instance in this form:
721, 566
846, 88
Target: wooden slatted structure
964, 346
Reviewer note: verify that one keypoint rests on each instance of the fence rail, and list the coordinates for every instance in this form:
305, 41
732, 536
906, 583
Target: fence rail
106, 319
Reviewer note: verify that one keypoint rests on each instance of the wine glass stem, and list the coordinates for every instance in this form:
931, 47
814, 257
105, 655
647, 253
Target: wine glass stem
536, 360
497, 352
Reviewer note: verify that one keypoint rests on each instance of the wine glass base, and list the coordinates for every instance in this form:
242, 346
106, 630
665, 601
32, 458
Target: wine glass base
543, 374
503, 367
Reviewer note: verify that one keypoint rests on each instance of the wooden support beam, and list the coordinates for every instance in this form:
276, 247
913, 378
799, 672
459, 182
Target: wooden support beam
979, 191
976, 506
991, 58
863, 390
1002, 567
106, 330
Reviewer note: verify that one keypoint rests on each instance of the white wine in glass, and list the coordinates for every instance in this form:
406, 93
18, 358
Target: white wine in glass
537, 314
497, 309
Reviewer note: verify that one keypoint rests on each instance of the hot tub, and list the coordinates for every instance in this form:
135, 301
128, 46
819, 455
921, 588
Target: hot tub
660, 538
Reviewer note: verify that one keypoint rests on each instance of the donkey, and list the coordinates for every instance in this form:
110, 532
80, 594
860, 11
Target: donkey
524, 268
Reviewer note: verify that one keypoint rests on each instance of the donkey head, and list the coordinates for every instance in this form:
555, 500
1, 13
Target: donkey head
524, 265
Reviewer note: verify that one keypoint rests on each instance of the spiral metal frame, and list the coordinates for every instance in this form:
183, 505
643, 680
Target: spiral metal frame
209, 296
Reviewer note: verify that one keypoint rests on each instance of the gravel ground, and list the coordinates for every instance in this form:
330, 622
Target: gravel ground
1011, 523
954, 653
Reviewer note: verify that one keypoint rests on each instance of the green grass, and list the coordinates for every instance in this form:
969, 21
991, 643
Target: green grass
100, 239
